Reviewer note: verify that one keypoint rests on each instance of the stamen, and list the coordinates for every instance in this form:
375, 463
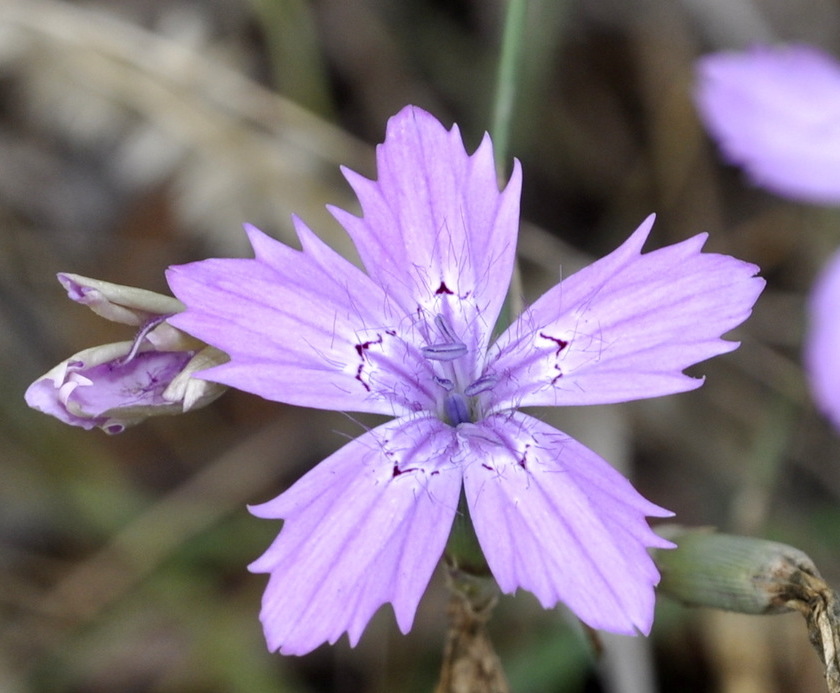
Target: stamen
141, 335
445, 383
444, 352
456, 409
483, 384
445, 328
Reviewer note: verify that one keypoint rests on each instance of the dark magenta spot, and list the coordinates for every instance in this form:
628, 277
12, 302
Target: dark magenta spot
397, 471
561, 343
443, 289
359, 377
364, 346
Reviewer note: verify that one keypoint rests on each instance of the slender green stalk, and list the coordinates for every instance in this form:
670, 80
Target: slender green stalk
507, 79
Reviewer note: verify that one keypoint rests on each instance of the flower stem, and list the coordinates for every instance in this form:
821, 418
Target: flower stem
507, 79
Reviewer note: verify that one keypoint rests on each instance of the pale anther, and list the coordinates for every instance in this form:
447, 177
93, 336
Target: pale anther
445, 328
445, 383
444, 352
483, 384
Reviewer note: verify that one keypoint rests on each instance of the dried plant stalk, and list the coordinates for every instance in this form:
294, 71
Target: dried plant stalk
470, 663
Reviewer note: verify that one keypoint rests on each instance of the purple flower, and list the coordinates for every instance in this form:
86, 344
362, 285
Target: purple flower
822, 342
776, 112
114, 386
411, 338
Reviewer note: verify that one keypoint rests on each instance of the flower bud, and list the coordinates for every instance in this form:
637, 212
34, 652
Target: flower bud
723, 571
114, 386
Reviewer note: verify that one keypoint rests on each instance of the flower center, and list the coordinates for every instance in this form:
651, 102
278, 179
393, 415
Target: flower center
451, 372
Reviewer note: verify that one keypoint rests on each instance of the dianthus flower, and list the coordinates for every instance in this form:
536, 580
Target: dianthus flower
822, 341
776, 112
411, 338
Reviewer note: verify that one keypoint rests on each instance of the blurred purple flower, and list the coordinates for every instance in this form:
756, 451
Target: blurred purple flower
776, 112
411, 338
822, 342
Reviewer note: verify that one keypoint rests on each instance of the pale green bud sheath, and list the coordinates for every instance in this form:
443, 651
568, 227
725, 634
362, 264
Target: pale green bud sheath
723, 571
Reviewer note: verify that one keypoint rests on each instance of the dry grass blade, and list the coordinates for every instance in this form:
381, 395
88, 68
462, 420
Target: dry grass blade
238, 151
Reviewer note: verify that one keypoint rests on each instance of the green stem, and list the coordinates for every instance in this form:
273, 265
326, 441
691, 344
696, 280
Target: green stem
507, 80
463, 553
510, 63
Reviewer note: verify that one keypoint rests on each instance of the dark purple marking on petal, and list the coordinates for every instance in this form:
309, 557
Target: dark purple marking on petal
397, 471
364, 346
359, 377
561, 343
523, 459
487, 466
558, 376
444, 289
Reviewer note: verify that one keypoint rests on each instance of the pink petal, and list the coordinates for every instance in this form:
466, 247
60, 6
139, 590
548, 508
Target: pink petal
301, 327
625, 327
364, 527
99, 388
555, 519
776, 112
822, 343
435, 222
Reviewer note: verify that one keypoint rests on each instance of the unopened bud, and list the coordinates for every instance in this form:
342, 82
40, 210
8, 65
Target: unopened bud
743, 574
114, 386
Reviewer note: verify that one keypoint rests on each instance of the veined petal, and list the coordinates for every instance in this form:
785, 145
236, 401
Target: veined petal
105, 387
624, 328
555, 519
436, 232
776, 112
302, 327
822, 342
365, 527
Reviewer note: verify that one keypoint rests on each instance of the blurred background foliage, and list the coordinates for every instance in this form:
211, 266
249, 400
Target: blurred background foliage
135, 134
